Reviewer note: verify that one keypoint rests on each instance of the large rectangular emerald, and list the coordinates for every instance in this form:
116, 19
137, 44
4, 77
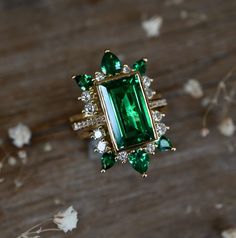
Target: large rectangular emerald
126, 110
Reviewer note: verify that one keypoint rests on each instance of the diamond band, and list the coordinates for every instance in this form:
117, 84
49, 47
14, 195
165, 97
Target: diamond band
99, 120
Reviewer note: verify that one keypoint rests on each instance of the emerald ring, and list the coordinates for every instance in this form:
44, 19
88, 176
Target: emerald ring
122, 114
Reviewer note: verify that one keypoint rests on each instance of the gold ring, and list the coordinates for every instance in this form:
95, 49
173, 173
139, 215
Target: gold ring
122, 114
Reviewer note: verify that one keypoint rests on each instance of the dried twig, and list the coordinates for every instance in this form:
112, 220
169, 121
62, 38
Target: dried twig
228, 97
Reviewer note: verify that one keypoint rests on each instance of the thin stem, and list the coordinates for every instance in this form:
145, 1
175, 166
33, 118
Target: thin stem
220, 87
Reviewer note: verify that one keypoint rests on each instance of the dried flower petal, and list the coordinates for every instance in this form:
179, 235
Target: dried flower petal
193, 88
230, 233
152, 26
66, 220
22, 154
205, 132
20, 135
12, 161
227, 127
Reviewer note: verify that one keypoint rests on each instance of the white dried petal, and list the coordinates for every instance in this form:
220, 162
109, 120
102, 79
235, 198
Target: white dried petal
193, 88
47, 147
22, 155
18, 183
20, 135
152, 26
66, 220
205, 132
12, 161
230, 233
227, 127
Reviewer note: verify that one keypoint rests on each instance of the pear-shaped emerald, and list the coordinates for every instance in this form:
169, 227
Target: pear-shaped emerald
140, 66
84, 81
164, 144
110, 64
107, 160
139, 161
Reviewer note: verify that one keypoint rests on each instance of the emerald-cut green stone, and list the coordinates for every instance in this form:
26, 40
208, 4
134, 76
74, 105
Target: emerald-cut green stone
84, 81
126, 109
108, 160
164, 144
140, 66
110, 64
139, 161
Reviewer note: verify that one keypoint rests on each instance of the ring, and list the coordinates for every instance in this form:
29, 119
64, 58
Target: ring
122, 114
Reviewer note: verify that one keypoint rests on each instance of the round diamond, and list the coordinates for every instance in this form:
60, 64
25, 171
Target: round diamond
126, 69
151, 148
98, 133
99, 76
161, 128
149, 93
122, 156
89, 108
157, 116
85, 96
147, 81
101, 146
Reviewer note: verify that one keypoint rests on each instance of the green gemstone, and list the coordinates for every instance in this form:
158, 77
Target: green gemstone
126, 109
84, 81
164, 144
140, 66
110, 64
107, 160
139, 161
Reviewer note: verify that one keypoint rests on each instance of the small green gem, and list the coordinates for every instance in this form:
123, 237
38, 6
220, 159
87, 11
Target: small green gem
110, 64
164, 144
139, 161
84, 81
107, 160
140, 66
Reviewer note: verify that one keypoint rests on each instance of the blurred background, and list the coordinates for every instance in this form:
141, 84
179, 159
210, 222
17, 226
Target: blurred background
191, 49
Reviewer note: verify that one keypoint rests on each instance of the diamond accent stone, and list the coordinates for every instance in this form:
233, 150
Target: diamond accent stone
85, 96
161, 128
98, 133
157, 116
122, 156
126, 69
101, 146
92, 121
99, 76
149, 93
151, 148
90, 108
147, 81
